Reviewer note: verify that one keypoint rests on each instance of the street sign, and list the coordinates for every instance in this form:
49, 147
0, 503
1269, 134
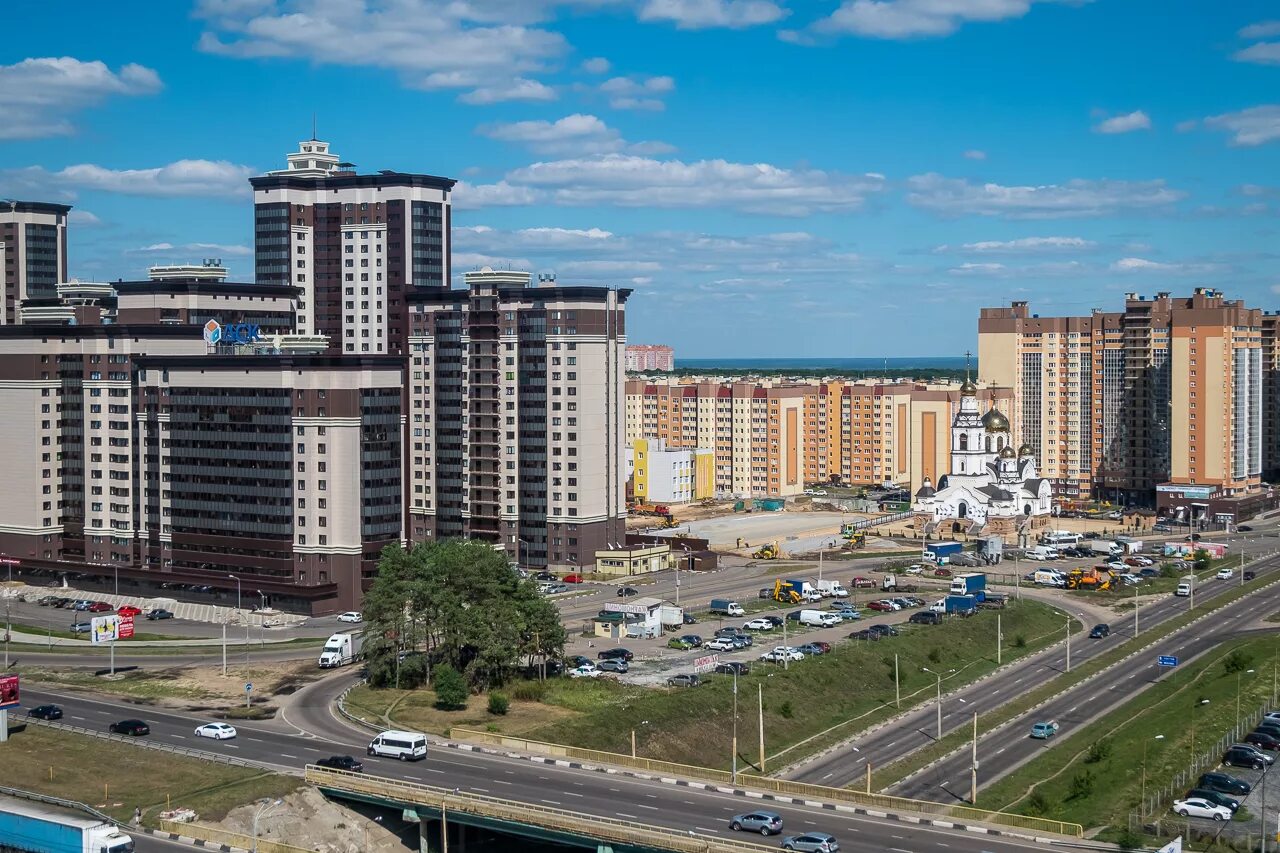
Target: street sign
1167, 660
248, 687
126, 627
8, 692
706, 663
104, 629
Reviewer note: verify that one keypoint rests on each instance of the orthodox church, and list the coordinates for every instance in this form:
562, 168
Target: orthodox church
991, 488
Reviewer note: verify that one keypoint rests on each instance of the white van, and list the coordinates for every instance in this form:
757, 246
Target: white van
1048, 577
406, 746
1044, 552
1183, 590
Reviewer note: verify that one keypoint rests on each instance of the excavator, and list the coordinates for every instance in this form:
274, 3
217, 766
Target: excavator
768, 552
785, 593
856, 539
1089, 578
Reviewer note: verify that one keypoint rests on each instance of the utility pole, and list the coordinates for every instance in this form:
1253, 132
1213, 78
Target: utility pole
999, 642
897, 684
224, 649
1135, 611
735, 725
1068, 644
973, 771
760, 693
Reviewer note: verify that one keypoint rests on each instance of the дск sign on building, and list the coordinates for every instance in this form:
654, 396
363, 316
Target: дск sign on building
233, 333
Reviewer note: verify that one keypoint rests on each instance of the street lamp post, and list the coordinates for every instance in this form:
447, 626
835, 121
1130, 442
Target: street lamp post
240, 614
938, 677
1238, 674
258, 815
1068, 644
1142, 804
735, 725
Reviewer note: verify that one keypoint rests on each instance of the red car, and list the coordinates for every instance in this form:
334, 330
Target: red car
129, 610
880, 605
99, 607
572, 578
941, 573
862, 583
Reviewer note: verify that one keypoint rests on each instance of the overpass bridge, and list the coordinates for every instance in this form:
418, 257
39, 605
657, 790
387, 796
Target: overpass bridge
446, 814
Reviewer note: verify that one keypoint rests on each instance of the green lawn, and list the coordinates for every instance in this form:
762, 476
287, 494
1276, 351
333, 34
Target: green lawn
46, 631
1107, 780
122, 777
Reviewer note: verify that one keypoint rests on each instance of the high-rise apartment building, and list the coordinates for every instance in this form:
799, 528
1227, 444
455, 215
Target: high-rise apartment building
354, 245
33, 253
517, 416
1127, 405
643, 357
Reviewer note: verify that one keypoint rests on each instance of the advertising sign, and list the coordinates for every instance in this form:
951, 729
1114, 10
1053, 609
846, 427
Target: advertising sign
1188, 492
8, 692
104, 629
705, 664
614, 607
126, 627
233, 333
1174, 846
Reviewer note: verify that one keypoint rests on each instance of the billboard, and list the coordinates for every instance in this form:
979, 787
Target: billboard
8, 692
105, 629
705, 663
126, 627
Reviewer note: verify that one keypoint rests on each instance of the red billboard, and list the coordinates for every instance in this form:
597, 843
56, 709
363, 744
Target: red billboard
126, 627
8, 691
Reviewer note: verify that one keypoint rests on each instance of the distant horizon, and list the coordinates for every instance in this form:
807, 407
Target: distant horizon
941, 362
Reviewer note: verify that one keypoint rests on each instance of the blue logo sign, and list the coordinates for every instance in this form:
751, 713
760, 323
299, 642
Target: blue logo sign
1167, 660
248, 686
233, 333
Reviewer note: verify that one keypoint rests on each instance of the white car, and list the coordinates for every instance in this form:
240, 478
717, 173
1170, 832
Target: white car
1224, 574
350, 616
759, 625
917, 569
217, 731
1130, 578
587, 670
720, 644
1196, 807
778, 654
889, 604
1144, 561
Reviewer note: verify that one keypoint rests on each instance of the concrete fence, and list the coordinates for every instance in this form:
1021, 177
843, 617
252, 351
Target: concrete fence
206, 835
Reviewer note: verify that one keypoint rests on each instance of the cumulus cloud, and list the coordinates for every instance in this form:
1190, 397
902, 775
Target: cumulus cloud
191, 249
637, 92
1262, 53
1261, 30
519, 89
1127, 123
1023, 246
1076, 198
186, 178
704, 14
1251, 127
84, 218
573, 134
1141, 265
39, 95
596, 65
905, 19
975, 154
469, 196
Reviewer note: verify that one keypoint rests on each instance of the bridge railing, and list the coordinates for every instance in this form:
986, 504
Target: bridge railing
449, 802
774, 785
213, 835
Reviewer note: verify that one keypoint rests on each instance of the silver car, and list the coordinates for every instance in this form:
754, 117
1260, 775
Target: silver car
815, 842
765, 823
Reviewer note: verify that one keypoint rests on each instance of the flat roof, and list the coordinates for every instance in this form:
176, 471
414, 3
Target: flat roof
348, 181
35, 207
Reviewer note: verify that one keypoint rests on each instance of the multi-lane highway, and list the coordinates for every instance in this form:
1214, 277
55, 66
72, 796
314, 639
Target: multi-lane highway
916, 729
318, 734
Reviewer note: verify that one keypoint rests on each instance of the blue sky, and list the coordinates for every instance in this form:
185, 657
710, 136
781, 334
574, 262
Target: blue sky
772, 177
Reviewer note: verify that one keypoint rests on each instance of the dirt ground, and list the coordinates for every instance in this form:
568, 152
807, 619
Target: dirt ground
306, 819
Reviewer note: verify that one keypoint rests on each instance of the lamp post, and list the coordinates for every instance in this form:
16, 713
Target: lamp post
1142, 804
240, 614
1068, 644
115, 571
258, 815
735, 725
237, 580
939, 686
1238, 674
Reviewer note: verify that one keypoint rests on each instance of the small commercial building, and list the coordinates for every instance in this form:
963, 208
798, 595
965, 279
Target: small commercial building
633, 560
660, 474
639, 618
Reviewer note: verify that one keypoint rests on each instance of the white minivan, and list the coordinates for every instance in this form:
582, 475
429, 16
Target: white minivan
406, 746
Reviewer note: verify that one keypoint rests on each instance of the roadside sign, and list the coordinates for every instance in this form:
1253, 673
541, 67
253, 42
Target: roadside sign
8, 692
126, 627
706, 663
104, 629
248, 687
1167, 660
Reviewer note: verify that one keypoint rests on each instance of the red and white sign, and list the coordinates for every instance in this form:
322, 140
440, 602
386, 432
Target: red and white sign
706, 663
126, 627
8, 692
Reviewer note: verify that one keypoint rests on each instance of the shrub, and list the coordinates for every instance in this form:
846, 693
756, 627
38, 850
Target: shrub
935, 656
529, 691
1237, 661
1081, 785
1019, 641
1099, 751
450, 687
498, 704
1130, 839
785, 710
1037, 803
413, 671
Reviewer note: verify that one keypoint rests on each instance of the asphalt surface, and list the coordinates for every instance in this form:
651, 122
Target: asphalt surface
916, 729
317, 733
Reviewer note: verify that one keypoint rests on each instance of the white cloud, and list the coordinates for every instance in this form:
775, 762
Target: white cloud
487, 47
1262, 53
1254, 126
1127, 123
633, 181
975, 154
703, 14
469, 196
1260, 30
1140, 265
904, 19
1023, 245
576, 134
37, 96
191, 249
1044, 270
976, 269
954, 197
84, 219
193, 178
596, 65
637, 93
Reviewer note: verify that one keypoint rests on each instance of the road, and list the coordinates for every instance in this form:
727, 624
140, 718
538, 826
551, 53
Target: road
316, 733
916, 729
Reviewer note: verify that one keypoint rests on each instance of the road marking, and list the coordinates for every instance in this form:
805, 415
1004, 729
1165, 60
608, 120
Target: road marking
503, 782
180, 737
651, 808
74, 717
287, 755
704, 829
810, 823
481, 790
573, 794
624, 814
552, 802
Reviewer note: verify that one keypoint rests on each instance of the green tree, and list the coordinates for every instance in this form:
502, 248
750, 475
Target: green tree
450, 686
1237, 661
458, 602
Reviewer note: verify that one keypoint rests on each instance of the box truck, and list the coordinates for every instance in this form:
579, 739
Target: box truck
831, 589
961, 605
37, 828
727, 606
941, 552
340, 650
970, 583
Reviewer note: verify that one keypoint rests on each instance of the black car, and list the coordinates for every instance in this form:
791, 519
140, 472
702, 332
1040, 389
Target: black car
776, 620
1214, 797
627, 591
46, 600
693, 640
730, 667
1250, 575
46, 712
1093, 534
884, 630
794, 615
689, 619
544, 576
1268, 727
864, 634
926, 617
1224, 783
615, 654
159, 613
135, 728
1244, 528
1236, 757
1262, 740
341, 762
578, 660
1100, 632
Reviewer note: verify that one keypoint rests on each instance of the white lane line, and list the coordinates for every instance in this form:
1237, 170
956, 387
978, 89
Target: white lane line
624, 814
551, 802
643, 806
481, 790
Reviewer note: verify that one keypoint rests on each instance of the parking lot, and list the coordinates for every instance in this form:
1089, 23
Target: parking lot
760, 528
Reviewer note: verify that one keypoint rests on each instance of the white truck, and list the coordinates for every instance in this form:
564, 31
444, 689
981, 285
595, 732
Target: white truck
340, 650
1048, 577
1043, 552
672, 617
831, 589
819, 618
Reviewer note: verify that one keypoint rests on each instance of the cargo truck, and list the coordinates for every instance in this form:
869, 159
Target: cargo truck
970, 583
340, 650
831, 589
727, 606
38, 828
890, 582
795, 590
1103, 546
672, 617
957, 605
941, 552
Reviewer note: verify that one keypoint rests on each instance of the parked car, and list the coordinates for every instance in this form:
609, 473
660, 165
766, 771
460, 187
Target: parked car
684, 679
1245, 756
733, 666
352, 616
721, 644
884, 605
679, 643
129, 610
1196, 807
779, 654
765, 823
616, 654
46, 600
884, 630
135, 728
914, 570
217, 731
572, 579
586, 670
760, 624
774, 620
627, 591
1262, 740
1100, 632
579, 660
811, 649
1218, 799
1149, 573
860, 582
99, 607
926, 617
694, 640
742, 641
617, 665
82, 604
1224, 783
766, 592
942, 572
81, 627
864, 634
46, 712
159, 613
341, 762
811, 842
